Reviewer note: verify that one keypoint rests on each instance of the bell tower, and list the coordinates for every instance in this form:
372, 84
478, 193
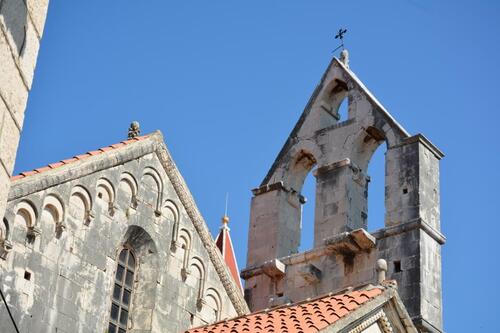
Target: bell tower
337, 152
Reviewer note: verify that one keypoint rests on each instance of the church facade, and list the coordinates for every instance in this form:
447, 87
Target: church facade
112, 241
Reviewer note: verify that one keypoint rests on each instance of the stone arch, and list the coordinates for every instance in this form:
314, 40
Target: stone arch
364, 144
128, 188
171, 211
146, 276
185, 251
80, 204
197, 278
52, 217
28, 212
213, 305
332, 96
105, 191
302, 158
157, 187
27, 216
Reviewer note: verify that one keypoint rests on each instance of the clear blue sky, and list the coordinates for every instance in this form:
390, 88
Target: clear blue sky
225, 82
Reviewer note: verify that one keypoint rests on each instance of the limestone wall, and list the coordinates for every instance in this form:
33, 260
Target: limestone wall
337, 151
21, 28
59, 274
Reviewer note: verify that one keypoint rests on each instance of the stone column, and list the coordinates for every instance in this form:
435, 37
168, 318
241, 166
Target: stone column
341, 200
412, 239
274, 224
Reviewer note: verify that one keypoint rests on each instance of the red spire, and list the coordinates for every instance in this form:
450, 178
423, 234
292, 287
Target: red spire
225, 246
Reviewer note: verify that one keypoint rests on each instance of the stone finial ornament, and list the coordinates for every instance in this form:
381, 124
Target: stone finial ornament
344, 57
134, 130
381, 267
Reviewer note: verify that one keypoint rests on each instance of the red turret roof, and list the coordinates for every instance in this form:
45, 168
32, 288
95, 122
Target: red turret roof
225, 246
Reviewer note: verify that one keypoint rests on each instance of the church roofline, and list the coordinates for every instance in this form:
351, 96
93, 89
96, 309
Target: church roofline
355, 80
113, 155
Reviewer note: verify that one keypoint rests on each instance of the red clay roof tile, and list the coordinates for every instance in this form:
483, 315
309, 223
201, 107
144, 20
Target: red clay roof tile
55, 165
75, 158
309, 316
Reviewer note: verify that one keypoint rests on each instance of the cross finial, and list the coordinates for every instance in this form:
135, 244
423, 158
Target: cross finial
340, 35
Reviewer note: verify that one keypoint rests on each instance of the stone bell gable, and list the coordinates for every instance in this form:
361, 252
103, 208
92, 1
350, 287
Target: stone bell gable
111, 239
337, 152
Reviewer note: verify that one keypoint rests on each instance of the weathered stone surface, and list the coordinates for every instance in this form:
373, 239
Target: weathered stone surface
73, 271
12, 88
344, 252
19, 44
38, 12
9, 141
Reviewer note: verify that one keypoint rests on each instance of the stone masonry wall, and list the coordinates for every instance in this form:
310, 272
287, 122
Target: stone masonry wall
337, 152
59, 274
21, 28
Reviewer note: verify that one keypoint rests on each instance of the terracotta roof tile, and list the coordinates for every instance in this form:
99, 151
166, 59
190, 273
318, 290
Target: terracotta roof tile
309, 316
76, 158
56, 165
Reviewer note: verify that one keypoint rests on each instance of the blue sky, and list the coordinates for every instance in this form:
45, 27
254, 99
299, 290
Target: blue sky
225, 82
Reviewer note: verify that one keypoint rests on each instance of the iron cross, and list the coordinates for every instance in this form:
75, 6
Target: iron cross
340, 35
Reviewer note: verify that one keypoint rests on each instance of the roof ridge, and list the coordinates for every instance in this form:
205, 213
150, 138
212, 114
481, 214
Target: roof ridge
359, 297
99, 151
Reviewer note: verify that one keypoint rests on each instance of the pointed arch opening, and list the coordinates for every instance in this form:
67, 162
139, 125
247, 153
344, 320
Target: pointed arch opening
135, 298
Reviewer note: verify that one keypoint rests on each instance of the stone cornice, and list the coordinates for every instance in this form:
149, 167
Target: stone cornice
152, 144
200, 225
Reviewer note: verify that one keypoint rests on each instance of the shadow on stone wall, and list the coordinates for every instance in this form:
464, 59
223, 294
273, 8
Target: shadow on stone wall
14, 14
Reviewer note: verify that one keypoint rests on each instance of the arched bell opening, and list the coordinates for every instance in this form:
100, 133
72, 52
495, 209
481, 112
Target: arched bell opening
302, 197
369, 163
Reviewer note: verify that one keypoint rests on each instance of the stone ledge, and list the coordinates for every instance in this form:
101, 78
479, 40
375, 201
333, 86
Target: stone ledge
350, 243
420, 138
407, 226
275, 187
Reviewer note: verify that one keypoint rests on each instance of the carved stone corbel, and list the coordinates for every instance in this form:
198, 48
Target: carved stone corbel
5, 247
89, 216
33, 232
185, 273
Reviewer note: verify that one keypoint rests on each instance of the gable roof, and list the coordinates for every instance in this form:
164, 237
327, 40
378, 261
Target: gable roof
308, 316
94, 161
225, 246
349, 75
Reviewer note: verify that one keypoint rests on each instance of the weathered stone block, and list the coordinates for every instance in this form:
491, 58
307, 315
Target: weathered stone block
38, 12
9, 140
12, 88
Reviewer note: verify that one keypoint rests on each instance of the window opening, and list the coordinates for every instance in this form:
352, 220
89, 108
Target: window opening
307, 218
376, 189
122, 292
397, 266
343, 111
